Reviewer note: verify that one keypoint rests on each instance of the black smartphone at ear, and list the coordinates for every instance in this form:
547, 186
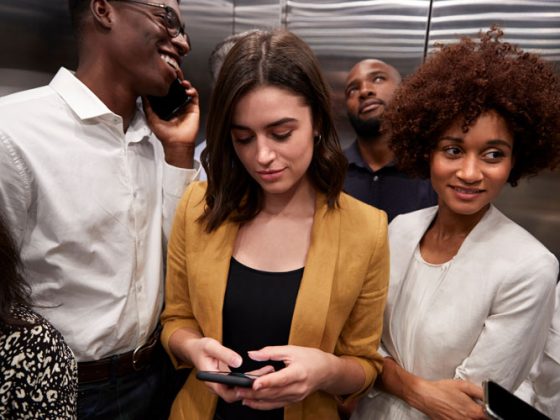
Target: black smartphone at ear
227, 378
500, 404
166, 107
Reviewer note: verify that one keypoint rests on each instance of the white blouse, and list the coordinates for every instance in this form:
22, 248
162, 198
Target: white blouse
482, 315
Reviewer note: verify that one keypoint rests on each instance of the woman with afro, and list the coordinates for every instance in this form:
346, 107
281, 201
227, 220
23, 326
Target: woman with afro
471, 293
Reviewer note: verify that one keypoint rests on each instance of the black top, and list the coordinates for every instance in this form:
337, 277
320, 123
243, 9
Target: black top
388, 188
258, 309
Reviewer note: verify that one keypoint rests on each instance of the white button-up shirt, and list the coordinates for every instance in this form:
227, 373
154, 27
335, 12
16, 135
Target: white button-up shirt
90, 207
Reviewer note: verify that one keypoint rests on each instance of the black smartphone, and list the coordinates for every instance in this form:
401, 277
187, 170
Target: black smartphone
500, 404
166, 107
227, 378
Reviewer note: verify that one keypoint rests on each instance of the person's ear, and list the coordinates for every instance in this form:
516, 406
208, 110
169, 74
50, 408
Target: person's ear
102, 12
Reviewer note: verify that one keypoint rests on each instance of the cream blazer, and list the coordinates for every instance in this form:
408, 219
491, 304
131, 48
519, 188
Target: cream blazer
487, 317
339, 307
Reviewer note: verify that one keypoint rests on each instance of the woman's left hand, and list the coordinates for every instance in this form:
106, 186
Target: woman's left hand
307, 370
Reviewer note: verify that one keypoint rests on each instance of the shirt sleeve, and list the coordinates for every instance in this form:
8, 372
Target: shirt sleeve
175, 181
361, 335
16, 184
514, 333
546, 383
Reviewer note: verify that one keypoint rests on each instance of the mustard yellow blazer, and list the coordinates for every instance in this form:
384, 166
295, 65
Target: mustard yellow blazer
339, 306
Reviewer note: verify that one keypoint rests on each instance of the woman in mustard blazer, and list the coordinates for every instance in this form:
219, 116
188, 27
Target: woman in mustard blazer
271, 268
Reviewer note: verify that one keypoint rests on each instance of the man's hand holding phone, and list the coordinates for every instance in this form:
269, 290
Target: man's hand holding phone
178, 133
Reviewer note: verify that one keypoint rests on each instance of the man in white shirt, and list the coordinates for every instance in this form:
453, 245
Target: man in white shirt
89, 184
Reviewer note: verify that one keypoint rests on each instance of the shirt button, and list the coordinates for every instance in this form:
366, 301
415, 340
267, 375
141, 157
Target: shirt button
375, 178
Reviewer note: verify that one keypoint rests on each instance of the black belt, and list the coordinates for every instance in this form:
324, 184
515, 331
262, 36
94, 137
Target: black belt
123, 364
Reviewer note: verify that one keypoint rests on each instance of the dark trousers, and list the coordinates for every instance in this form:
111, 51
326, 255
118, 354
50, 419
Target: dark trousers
147, 394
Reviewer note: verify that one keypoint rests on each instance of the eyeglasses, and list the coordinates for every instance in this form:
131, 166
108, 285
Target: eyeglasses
170, 18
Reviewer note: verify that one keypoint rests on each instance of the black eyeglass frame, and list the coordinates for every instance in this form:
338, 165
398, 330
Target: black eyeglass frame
172, 20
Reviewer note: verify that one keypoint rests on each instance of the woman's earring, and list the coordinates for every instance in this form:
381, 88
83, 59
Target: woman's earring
318, 139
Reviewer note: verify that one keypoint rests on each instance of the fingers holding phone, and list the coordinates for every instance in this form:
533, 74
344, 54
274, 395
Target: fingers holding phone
211, 357
305, 372
175, 120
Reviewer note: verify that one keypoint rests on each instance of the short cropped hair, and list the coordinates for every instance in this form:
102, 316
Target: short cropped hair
78, 10
222, 48
279, 59
466, 79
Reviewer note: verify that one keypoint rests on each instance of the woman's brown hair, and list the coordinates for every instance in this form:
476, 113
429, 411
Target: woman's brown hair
462, 81
280, 59
13, 288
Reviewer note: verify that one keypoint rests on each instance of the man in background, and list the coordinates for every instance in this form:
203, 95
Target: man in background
89, 183
372, 176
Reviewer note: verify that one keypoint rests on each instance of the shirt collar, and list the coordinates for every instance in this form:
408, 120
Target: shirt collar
78, 96
354, 157
87, 105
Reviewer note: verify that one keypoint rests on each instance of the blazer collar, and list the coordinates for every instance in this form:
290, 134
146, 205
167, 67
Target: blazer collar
213, 268
403, 242
312, 303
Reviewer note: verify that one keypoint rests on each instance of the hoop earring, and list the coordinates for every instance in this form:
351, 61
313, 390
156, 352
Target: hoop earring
318, 139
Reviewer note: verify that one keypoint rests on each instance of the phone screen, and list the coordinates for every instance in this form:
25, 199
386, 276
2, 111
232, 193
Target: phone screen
503, 405
166, 107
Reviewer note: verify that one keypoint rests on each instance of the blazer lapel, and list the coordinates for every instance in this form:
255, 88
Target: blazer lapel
312, 304
212, 275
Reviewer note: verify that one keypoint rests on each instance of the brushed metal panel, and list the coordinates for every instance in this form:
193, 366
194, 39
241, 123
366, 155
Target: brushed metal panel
389, 30
255, 14
36, 40
532, 24
535, 205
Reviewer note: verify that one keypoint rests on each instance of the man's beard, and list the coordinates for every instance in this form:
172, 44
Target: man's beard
366, 129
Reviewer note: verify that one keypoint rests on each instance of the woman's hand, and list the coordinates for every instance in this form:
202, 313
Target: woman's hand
208, 354
307, 370
178, 135
451, 399
445, 399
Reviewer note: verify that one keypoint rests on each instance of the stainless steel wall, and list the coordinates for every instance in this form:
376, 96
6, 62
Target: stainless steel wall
36, 39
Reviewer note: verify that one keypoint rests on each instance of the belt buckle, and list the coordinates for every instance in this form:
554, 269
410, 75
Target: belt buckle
150, 344
134, 361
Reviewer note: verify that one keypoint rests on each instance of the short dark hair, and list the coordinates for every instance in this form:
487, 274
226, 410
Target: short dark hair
466, 79
13, 288
280, 59
78, 10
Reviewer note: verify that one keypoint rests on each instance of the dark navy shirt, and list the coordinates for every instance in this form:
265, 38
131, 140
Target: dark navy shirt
388, 188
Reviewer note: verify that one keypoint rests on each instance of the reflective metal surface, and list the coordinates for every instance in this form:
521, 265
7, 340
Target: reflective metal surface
533, 24
36, 39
